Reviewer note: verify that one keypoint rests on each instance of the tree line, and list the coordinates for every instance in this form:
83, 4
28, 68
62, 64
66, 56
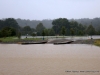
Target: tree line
60, 26
48, 23
72, 27
8, 27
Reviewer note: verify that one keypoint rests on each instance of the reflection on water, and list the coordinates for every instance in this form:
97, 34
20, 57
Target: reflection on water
49, 59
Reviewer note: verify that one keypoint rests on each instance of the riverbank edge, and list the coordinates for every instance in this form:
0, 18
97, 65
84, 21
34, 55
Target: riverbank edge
88, 41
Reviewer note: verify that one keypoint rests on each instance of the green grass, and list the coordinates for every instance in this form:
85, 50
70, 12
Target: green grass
97, 42
8, 39
15, 39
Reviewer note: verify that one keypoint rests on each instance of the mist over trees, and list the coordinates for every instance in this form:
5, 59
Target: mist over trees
60, 26
33, 23
71, 27
86, 21
48, 23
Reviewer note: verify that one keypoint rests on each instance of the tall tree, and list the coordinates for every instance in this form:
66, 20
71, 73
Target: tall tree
46, 32
90, 30
1, 24
72, 31
58, 23
51, 32
11, 22
40, 28
63, 31
26, 30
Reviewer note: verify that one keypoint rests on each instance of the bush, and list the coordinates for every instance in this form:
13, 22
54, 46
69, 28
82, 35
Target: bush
7, 31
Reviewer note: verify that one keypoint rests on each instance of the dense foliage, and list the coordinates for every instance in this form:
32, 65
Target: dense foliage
40, 28
7, 31
72, 27
60, 26
9, 22
8, 27
48, 23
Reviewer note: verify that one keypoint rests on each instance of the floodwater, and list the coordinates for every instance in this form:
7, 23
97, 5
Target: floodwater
49, 59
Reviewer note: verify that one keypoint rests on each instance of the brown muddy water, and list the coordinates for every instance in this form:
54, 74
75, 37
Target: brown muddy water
49, 59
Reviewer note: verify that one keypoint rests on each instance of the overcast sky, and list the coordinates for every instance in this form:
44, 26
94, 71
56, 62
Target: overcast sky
49, 9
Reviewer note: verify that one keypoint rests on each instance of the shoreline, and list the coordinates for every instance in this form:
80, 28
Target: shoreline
88, 41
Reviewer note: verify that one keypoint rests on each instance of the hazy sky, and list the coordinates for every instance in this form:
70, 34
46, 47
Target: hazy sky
49, 9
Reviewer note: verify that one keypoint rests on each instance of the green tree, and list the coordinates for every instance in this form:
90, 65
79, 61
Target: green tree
33, 34
90, 30
39, 28
72, 31
4, 33
58, 23
51, 32
8, 31
81, 29
98, 32
1, 24
80, 33
26, 30
11, 22
46, 32
63, 31
73, 24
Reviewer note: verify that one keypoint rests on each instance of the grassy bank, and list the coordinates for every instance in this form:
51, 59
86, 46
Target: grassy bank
97, 42
8, 39
15, 39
